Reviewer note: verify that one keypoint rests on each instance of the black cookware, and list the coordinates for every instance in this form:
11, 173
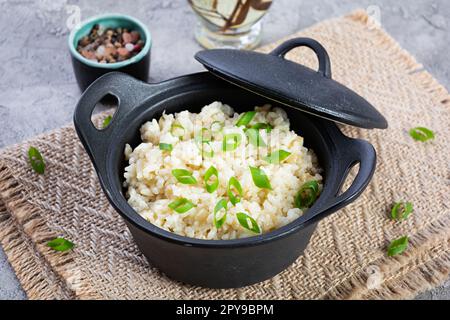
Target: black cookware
307, 96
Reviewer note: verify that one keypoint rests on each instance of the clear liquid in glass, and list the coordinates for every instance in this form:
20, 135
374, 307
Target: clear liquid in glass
229, 23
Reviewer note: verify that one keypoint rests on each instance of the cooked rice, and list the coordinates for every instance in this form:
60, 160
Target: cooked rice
151, 185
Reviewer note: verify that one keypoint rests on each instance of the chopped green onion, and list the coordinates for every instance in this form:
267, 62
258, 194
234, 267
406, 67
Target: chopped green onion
245, 118
260, 178
277, 156
248, 222
255, 138
398, 246
181, 205
165, 146
36, 160
260, 126
421, 134
212, 171
233, 183
222, 204
231, 141
177, 130
184, 176
307, 194
106, 121
401, 210
217, 126
60, 244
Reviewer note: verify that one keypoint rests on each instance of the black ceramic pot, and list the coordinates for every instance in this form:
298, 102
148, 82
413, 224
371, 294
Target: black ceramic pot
218, 263
87, 71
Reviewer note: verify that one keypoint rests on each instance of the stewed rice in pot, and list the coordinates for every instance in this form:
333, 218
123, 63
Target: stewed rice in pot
218, 174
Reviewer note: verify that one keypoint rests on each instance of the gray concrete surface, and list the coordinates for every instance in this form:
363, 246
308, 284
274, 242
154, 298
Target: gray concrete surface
38, 90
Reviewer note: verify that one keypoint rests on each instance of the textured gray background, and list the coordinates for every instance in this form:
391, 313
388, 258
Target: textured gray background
38, 90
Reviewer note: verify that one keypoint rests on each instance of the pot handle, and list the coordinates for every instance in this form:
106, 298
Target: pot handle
129, 93
319, 50
355, 151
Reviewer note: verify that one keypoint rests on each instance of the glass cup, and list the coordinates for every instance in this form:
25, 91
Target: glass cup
229, 23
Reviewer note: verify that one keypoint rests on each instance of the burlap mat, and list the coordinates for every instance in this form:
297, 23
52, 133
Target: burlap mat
68, 200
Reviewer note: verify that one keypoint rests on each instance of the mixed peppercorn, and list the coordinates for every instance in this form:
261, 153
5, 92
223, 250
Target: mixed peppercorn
110, 45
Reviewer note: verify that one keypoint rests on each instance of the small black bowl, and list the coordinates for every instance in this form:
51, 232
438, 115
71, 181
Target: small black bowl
87, 71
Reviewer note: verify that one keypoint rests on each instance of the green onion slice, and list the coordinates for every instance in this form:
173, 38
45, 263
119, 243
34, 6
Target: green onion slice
177, 130
260, 178
401, 210
234, 191
248, 222
184, 176
277, 156
255, 138
106, 121
421, 134
60, 244
222, 204
260, 126
231, 141
165, 146
181, 205
217, 126
307, 195
398, 246
36, 160
211, 172
245, 118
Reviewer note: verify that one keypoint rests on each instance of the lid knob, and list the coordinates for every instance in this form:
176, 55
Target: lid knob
319, 50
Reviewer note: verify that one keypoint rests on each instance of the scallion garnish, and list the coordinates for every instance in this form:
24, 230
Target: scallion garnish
307, 194
211, 172
398, 246
222, 204
234, 191
277, 156
184, 176
165, 146
401, 210
245, 118
260, 178
181, 205
106, 121
177, 130
255, 138
421, 134
231, 141
248, 222
260, 126
36, 160
60, 244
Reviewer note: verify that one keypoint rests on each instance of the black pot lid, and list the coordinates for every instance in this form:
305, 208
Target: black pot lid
293, 84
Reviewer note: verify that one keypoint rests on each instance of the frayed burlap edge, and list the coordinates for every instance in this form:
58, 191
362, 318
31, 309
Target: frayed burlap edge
26, 231
426, 264
36, 276
24, 234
